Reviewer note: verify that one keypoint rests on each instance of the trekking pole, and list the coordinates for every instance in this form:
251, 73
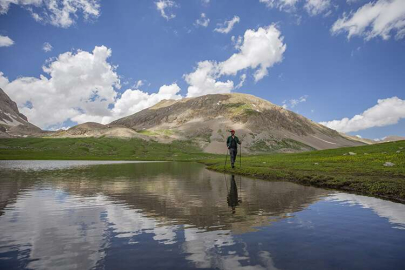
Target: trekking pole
240, 157
226, 158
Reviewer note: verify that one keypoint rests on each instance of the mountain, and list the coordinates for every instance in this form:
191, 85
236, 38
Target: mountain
12, 122
391, 138
206, 120
92, 129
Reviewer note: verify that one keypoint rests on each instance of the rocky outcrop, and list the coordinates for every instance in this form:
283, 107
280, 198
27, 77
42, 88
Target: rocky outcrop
12, 122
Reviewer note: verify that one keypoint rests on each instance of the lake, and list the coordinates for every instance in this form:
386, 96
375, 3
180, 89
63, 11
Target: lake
167, 215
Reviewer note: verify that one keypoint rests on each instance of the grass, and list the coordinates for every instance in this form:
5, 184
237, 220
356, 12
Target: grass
275, 145
363, 172
98, 149
165, 132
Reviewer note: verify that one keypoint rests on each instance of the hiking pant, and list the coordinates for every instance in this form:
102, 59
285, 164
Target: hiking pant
233, 152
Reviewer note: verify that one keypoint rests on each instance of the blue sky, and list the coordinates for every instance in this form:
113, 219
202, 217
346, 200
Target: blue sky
321, 73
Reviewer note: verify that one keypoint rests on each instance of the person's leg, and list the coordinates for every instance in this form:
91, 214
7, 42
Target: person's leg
233, 153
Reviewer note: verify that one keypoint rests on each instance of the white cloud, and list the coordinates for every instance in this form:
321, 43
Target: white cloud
61, 13
294, 102
280, 4
315, 7
203, 80
374, 19
203, 20
242, 81
47, 47
260, 50
387, 112
133, 101
5, 41
138, 84
236, 42
82, 87
162, 5
227, 26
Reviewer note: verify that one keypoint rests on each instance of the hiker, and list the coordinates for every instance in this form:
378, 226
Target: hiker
232, 144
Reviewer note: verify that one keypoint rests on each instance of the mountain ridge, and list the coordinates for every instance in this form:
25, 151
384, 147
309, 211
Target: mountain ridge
12, 122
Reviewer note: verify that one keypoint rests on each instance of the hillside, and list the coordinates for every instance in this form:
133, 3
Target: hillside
261, 125
12, 122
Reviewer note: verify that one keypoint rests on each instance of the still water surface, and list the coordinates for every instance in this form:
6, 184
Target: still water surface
76, 215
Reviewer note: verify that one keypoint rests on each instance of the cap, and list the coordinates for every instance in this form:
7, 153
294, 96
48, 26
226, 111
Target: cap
232, 130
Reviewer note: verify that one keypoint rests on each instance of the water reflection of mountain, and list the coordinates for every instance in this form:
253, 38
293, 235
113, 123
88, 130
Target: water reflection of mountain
72, 218
195, 196
62, 217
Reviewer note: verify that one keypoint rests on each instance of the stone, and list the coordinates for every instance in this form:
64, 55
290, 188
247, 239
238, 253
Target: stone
388, 164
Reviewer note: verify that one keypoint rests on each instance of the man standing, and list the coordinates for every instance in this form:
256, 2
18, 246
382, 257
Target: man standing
232, 144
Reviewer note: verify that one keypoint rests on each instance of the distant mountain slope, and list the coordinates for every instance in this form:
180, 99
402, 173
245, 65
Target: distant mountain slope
392, 138
91, 129
262, 126
12, 122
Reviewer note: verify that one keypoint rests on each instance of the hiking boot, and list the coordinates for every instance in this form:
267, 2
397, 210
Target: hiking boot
233, 166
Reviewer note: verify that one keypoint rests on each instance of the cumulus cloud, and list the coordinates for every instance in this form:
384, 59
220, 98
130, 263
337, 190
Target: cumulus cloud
47, 47
280, 4
387, 112
5, 41
316, 7
227, 26
163, 5
259, 50
61, 13
203, 20
374, 19
133, 101
80, 86
203, 80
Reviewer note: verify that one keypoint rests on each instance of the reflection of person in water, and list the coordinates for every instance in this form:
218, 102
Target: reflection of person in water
233, 195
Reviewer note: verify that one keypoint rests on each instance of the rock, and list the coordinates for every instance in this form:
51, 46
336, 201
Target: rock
366, 154
352, 153
316, 163
398, 151
388, 164
345, 154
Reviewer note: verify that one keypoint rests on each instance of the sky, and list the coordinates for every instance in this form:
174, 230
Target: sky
337, 62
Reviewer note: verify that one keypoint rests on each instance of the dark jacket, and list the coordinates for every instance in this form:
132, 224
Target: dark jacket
232, 142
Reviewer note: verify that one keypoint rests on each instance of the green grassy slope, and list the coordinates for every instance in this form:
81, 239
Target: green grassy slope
364, 172
98, 149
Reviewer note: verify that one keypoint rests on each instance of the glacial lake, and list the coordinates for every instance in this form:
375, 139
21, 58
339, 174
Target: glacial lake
167, 215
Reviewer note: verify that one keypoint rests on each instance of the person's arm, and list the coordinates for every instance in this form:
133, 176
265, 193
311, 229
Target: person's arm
228, 141
239, 142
